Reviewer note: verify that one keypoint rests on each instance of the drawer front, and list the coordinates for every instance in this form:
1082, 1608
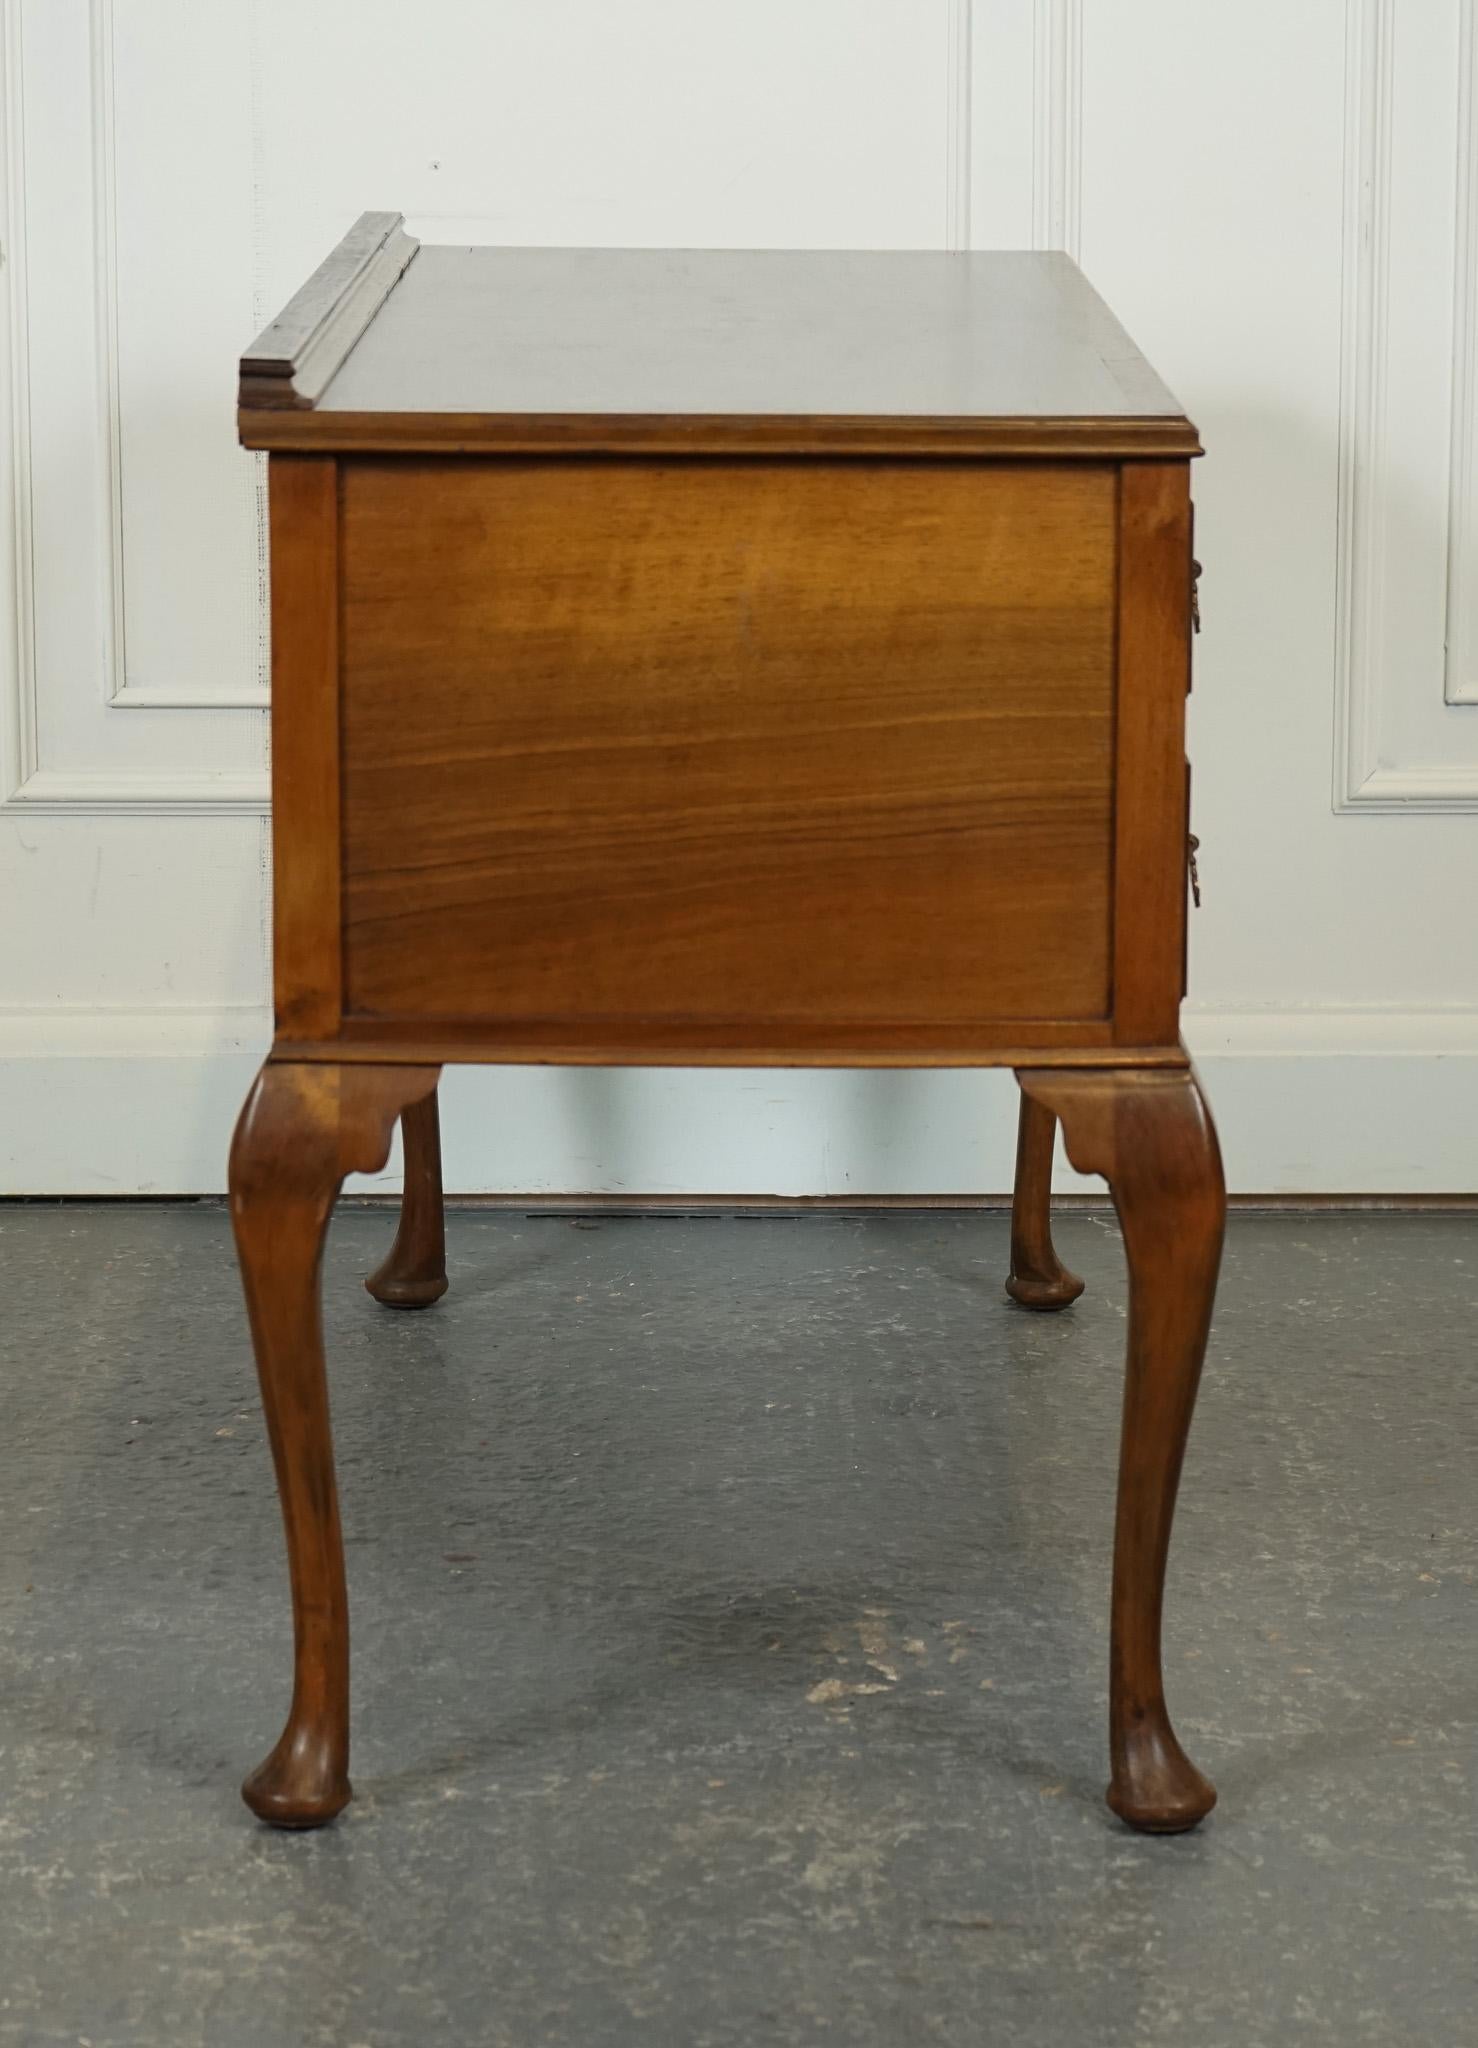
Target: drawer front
758, 751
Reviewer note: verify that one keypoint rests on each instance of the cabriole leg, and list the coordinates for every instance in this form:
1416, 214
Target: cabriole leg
1038, 1277
1151, 1136
303, 1127
413, 1272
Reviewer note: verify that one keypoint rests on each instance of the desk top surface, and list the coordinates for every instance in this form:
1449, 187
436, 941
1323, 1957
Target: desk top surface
393, 344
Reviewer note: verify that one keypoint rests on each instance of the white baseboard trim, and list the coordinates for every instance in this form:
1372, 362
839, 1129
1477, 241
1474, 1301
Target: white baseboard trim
1315, 1102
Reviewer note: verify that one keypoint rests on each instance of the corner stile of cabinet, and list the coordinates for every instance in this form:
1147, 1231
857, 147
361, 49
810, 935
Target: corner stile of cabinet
1149, 781
307, 954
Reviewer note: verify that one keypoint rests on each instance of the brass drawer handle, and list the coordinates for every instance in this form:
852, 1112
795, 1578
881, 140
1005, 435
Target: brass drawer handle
1195, 597
1192, 848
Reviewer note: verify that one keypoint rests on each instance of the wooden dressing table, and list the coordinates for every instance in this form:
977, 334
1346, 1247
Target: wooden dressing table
723, 659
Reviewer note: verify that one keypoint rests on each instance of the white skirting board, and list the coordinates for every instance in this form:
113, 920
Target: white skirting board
1314, 1102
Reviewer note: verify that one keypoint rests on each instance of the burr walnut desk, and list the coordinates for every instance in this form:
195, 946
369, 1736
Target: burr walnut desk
723, 659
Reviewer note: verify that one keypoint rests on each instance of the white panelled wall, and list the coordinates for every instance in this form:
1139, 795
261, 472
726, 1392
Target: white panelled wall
1280, 202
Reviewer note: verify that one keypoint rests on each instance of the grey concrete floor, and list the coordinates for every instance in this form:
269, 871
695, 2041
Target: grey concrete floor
730, 1602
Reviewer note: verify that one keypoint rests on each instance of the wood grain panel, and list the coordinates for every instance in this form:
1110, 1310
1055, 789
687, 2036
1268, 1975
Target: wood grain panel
778, 749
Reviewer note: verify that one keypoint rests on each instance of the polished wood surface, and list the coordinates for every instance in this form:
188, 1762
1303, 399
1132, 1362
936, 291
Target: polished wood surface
724, 660
1038, 1278
301, 1130
1152, 1138
832, 746
605, 434
509, 350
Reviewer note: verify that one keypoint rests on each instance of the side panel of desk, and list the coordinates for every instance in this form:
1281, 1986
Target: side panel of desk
763, 750
1119, 990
